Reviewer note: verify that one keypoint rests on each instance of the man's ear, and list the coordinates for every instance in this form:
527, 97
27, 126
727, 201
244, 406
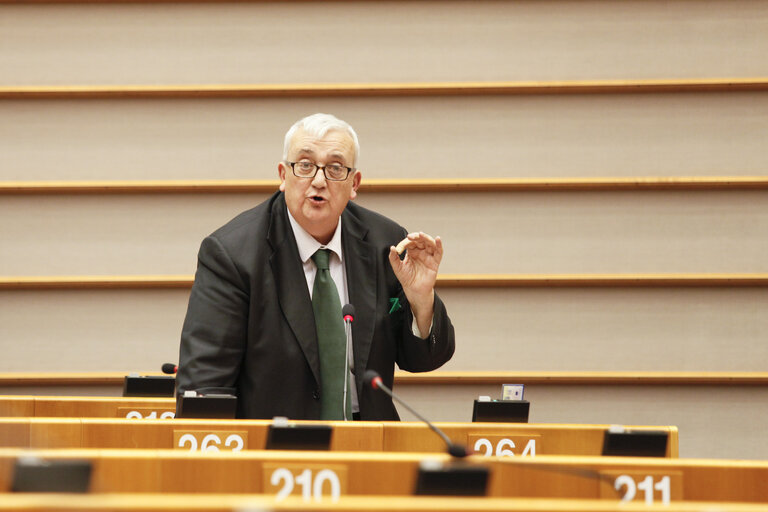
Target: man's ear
281, 170
356, 178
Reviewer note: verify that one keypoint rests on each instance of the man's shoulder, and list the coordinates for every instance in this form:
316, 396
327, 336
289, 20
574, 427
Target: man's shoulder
250, 224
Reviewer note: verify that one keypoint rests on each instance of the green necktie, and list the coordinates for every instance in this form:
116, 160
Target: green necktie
331, 340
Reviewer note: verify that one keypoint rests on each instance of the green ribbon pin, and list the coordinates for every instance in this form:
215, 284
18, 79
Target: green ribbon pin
396, 306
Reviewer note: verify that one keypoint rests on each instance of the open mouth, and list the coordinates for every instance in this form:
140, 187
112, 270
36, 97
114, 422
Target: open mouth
316, 199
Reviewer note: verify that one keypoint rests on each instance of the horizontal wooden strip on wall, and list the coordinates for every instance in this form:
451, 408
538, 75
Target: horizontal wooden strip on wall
387, 89
95, 282
392, 186
601, 280
585, 378
443, 281
449, 378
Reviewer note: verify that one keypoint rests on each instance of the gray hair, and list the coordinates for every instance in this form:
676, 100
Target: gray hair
318, 125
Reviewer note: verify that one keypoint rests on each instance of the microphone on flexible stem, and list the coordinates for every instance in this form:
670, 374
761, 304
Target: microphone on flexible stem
373, 379
169, 368
348, 311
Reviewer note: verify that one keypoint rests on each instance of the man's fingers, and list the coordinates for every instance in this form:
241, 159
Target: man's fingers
394, 258
427, 239
418, 240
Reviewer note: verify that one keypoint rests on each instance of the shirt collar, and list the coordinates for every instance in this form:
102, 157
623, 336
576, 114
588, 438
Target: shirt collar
307, 244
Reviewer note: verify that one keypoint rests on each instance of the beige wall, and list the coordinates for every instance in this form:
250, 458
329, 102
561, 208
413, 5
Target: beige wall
517, 329
382, 41
700, 134
542, 232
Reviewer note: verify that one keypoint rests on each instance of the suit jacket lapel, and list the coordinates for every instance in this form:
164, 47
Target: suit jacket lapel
360, 264
291, 285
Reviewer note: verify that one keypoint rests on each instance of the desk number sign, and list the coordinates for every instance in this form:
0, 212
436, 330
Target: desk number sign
210, 441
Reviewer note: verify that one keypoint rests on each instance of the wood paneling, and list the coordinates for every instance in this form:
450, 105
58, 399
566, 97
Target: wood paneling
403, 186
387, 89
551, 477
228, 503
443, 281
551, 439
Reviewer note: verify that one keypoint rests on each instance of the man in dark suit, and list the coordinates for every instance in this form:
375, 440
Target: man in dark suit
251, 321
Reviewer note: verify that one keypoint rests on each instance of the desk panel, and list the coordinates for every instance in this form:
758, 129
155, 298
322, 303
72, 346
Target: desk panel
254, 502
517, 438
510, 439
14, 406
378, 473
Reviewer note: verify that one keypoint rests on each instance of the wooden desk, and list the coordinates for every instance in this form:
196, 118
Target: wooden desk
86, 407
511, 439
604, 398
376, 473
184, 434
241, 503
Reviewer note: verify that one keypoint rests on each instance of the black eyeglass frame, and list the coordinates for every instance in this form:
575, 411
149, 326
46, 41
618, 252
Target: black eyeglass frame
318, 167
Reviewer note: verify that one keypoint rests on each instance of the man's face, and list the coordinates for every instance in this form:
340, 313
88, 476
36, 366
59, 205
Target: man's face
317, 203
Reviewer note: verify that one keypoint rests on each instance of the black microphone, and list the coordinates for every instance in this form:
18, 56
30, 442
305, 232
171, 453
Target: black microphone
373, 379
348, 312
169, 368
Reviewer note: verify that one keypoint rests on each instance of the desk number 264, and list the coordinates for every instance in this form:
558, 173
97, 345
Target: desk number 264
503, 448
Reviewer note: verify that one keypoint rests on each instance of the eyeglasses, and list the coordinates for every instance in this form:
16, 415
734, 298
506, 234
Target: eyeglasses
332, 172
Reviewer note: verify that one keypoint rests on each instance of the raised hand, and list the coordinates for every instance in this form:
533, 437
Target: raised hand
417, 273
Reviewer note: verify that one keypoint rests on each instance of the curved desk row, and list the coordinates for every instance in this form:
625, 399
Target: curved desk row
319, 476
509, 439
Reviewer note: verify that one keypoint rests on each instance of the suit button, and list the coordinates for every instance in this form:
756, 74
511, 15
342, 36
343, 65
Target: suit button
316, 394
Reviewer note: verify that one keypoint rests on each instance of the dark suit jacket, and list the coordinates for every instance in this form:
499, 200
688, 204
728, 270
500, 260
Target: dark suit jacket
250, 324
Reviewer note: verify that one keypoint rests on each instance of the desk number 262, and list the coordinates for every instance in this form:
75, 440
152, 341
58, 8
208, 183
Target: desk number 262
503, 448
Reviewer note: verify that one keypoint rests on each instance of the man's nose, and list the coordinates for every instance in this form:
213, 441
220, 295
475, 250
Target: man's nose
319, 179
